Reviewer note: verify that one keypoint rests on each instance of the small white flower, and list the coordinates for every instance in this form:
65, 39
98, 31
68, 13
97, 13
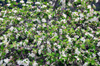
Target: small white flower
75, 13
49, 16
43, 6
19, 62
6, 60
48, 62
60, 30
19, 18
32, 54
89, 34
8, 4
76, 36
75, 0
42, 46
55, 49
15, 11
1, 19
97, 1
11, 17
1, 43
85, 64
21, 1
98, 44
59, 46
35, 63
28, 2
38, 10
89, 6
81, 15
48, 50
98, 53
37, 2
55, 43
26, 62
64, 15
23, 4
39, 51
63, 53
39, 42
1, 61
6, 50
17, 36
1, 38
48, 42
44, 25
77, 52
77, 19
16, 30
43, 20
21, 43
12, 28
94, 55
77, 57
82, 39
69, 4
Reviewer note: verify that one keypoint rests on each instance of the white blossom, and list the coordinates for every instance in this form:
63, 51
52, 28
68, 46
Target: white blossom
32, 54
35, 63
76, 36
75, 13
82, 39
77, 57
26, 62
94, 19
55, 49
75, 0
49, 50
37, 2
21, 1
77, 52
63, 53
77, 19
98, 53
55, 43
28, 2
1, 61
81, 15
98, 44
19, 18
89, 6
43, 6
87, 33
1, 43
44, 25
1, 19
97, 1
43, 20
64, 15
85, 64
19, 62
60, 30
49, 16
6, 60
20, 43
39, 51
59, 46
8, 4
94, 55
23, 4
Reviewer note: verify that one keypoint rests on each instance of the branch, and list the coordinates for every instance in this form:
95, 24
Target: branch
55, 5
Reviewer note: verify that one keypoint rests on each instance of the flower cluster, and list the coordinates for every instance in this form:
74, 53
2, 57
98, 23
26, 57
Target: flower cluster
37, 35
